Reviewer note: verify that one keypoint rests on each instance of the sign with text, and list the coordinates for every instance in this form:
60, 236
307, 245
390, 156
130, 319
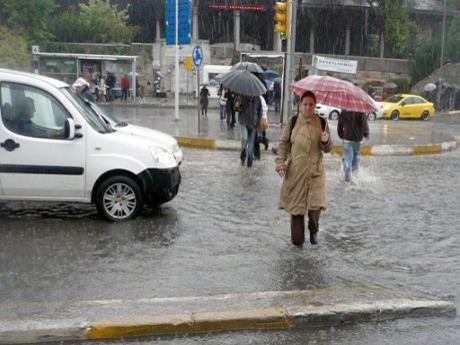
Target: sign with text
185, 22
336, 65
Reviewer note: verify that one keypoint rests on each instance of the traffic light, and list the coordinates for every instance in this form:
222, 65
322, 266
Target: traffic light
282, 18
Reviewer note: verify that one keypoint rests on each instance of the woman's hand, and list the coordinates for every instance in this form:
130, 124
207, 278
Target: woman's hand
281, 171
324, 137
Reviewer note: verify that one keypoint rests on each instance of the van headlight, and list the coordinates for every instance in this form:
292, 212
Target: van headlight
162, 156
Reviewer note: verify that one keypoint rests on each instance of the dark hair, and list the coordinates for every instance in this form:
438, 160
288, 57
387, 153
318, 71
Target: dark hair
308, 93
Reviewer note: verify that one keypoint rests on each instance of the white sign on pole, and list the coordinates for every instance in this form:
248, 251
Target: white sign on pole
336, 65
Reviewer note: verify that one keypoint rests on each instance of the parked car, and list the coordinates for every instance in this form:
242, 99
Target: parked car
56, 147
407, 106
332, 113
327, 112
376, 114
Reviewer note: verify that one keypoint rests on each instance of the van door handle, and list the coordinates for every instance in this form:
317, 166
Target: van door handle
9, 145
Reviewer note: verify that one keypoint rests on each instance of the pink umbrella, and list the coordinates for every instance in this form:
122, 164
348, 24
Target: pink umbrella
336, 93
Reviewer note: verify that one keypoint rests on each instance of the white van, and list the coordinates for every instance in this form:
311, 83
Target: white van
55, 147
210, 72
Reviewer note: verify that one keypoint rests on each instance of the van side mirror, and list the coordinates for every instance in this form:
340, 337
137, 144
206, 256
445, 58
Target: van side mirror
70, 129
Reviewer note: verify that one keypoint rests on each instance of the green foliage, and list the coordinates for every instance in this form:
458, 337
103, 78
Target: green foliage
397, 26
97, 21
426, 59
29, 18
402, 85
453, 41
14, 53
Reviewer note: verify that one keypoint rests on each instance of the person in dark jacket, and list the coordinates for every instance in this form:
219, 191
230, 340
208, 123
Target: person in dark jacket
352, 128
250, 113
204, 100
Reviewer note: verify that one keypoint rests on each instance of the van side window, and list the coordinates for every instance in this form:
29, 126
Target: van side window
32, 112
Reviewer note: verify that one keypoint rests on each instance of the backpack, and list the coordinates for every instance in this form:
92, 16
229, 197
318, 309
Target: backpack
293, 121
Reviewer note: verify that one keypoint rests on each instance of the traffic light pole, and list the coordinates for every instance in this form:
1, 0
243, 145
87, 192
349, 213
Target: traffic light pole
290, 59
176, 68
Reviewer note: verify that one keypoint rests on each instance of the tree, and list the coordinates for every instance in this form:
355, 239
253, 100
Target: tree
97, 21
13, 51
453, 41
29, 18
397, 26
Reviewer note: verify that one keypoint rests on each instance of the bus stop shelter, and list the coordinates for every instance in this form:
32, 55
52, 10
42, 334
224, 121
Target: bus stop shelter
68, 67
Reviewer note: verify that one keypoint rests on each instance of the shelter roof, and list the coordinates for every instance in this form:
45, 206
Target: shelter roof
89, 56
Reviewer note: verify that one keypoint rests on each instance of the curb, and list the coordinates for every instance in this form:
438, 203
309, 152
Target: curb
371, 150
277, 317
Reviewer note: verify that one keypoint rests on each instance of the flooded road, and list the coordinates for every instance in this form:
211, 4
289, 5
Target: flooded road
395, 228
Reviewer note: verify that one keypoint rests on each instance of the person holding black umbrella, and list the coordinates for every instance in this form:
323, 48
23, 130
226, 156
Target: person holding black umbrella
249, 119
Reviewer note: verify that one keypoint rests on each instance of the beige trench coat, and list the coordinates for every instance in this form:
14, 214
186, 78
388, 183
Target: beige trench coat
304, 186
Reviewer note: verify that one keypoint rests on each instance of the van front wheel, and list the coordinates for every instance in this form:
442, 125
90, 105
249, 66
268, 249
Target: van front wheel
119, 198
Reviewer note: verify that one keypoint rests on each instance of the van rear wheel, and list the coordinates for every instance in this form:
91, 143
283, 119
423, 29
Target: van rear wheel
119, 198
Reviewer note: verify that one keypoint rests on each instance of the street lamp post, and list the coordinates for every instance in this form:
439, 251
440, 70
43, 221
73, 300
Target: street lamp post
441, 62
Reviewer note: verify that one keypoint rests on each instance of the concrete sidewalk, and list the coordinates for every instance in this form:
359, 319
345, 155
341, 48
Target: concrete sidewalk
105, 319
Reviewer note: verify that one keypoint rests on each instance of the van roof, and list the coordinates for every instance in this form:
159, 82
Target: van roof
54, 82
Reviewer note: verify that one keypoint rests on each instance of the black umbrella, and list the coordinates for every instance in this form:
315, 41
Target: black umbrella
249, 66
244, 83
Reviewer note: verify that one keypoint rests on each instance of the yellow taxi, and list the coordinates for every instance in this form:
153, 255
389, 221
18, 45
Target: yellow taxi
407, 106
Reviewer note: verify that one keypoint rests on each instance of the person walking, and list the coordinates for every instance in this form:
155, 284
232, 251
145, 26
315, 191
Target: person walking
300, 161
261, 134
250, 113
222, 93
110, 81
277, 97
230, 110
352, 128
124, 88
204, 100
102, 89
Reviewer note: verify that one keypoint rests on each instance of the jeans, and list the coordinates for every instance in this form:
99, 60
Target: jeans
223, 112
124, 94
350, 157
248, 136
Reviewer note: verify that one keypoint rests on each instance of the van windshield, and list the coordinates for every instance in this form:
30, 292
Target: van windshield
108, 117
93, 119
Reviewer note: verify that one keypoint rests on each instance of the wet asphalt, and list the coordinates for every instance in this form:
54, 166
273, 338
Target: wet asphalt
395, 227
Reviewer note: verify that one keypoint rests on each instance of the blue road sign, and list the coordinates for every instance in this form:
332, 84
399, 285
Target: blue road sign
185, 21
197, 56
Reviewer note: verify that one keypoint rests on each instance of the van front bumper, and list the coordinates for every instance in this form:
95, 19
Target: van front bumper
160, 185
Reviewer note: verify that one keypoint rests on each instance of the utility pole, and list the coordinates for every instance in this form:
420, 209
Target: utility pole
290, 60
176, 68
442, 55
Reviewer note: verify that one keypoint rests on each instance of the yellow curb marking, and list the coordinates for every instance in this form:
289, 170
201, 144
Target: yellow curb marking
337, 149
427, 149
365, 150
268, 318
137, 326
201, 143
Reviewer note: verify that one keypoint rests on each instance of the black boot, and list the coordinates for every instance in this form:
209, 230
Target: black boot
297, 230
243, 156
